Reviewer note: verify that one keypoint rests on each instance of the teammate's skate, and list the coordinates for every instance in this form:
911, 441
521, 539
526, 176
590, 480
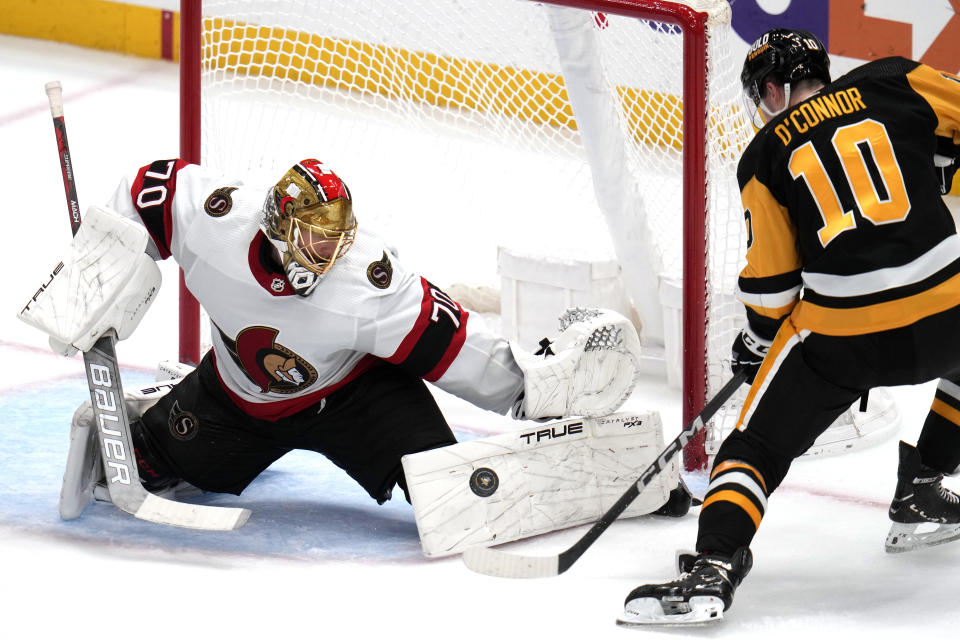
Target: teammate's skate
700, 595
924, 513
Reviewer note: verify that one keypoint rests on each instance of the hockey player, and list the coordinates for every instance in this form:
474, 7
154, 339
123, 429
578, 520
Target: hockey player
322, 339
841, 190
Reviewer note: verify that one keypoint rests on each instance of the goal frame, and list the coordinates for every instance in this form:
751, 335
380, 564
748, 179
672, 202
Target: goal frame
693, 25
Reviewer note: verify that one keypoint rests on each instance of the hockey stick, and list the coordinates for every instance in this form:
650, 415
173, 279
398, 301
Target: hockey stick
109, 408
493, 562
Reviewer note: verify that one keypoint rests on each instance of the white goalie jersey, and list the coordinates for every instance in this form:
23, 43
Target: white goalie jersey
277, 352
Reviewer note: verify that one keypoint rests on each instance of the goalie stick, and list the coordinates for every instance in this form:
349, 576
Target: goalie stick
493, 562
109, 408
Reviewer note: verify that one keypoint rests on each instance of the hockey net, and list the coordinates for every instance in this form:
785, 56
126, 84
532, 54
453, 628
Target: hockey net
572, 128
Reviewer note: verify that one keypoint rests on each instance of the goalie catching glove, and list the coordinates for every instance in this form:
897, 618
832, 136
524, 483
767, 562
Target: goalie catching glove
589, 370
107, 282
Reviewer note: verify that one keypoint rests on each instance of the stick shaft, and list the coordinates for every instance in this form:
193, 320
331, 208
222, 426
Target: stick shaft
568, 557
55, 96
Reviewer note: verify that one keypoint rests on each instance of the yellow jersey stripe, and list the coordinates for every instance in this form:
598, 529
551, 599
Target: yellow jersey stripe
877, 317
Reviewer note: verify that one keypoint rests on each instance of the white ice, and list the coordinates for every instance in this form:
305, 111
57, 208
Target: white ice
319, 559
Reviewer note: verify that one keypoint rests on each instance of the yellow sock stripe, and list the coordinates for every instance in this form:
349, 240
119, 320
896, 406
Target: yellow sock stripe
738, 499
944, 410
735, 464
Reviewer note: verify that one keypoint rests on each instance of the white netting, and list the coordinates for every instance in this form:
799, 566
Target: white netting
451, 122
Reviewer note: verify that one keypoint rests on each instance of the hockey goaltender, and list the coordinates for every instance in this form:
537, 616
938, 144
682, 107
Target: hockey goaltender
323, 340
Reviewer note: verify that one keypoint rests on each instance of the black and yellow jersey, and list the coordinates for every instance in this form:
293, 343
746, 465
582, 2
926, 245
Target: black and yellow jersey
847, 231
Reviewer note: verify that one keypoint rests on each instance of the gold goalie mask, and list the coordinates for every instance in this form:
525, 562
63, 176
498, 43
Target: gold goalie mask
308, 217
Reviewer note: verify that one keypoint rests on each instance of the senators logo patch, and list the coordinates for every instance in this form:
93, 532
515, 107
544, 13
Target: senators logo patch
219, 202
380, 272
183, 424
269, 365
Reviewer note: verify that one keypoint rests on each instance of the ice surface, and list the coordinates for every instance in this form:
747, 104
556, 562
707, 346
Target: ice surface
319, 558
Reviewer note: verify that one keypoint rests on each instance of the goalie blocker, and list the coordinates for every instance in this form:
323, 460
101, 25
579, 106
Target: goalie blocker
541, 479
106, 282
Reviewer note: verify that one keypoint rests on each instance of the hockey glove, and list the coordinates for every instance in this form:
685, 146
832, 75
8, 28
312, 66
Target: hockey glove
747, 354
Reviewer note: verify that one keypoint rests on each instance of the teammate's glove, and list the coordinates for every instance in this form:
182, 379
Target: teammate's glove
747, 353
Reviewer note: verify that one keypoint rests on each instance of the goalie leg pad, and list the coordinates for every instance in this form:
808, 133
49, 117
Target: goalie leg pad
862, 425
589, 370
515, 485
83, 477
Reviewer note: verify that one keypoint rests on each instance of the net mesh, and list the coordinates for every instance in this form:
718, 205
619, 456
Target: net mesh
450, 120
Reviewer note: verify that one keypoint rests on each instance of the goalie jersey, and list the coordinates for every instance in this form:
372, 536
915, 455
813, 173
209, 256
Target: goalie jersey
842, 202
277, 353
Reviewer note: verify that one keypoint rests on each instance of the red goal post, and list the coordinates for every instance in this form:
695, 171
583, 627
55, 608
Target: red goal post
467, 73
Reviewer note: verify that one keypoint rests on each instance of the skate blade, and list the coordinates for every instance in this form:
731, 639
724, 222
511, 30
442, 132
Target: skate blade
699, 611
906, 537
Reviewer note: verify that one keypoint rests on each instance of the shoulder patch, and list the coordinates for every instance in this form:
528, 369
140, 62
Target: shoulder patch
219, 202
380, 272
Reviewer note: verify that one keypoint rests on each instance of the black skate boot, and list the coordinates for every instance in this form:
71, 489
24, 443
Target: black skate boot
701, 594
924, 513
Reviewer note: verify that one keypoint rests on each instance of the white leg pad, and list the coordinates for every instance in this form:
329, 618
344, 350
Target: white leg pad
84, 469
172, 370
544, 478
856, 429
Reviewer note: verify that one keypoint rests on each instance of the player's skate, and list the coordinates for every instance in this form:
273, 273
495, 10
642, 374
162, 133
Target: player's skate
924, 513
700, 595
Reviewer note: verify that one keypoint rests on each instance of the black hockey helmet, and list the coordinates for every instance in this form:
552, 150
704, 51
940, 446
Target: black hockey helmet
784, 56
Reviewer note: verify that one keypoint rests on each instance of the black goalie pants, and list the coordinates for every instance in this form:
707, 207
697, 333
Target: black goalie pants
808, 380
364, 428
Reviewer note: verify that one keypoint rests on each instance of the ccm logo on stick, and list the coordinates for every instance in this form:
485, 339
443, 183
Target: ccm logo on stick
108, 417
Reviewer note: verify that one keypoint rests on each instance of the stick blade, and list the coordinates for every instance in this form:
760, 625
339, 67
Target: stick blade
493, 562
191, 516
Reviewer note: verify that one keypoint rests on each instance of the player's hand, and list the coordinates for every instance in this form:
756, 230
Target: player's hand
747, 354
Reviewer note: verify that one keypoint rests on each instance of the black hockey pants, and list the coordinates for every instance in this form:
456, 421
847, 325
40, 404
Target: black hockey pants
808, 380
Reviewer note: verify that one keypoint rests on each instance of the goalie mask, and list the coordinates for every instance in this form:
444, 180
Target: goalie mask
308, 217
784, 56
